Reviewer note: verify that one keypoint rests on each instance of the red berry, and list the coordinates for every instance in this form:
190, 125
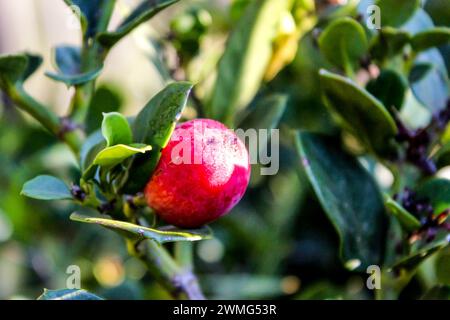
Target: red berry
203, 173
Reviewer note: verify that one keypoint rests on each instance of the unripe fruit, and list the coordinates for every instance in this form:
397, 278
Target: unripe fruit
203, 173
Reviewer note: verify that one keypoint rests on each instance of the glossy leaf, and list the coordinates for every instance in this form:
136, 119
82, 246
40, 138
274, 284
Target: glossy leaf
68, 294
343, 43
395, 13
142, 13
406, 219
137, 232
46, 188
116, 154
246, 57
360, 112
390, 88
266, 114
431, 38
115, 129
154, 126
341, 184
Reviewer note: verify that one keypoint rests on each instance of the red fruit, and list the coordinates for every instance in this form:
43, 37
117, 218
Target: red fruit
203, 173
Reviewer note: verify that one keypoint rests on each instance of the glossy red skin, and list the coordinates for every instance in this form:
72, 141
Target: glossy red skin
191, 195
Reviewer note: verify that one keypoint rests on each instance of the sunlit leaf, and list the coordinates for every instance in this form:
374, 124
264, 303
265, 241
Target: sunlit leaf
137, 232
116, 154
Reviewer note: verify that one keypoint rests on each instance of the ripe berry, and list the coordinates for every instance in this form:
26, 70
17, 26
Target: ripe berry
203, 173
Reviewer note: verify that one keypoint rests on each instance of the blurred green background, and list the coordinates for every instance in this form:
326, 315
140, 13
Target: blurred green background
277, 243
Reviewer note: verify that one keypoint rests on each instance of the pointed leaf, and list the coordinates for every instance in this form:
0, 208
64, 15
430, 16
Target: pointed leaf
116, 154
46, 188
142, 13
137, 232
68, 294
246, 57
342, 185
115, 129
154, 126
360, 112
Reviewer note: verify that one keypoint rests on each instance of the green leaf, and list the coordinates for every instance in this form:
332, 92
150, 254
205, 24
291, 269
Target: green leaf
344, 43
406, 219
431, 88
90, 148
154, 126
390, 88
137, 232
73, 80
395, 13
68, 59
46, 188
342, 185
116, 154
142, 13
438, 192
115, 129
94, 14
68, 294
267, 113
359, 111
107, 98
246, 57
435, 37
388, 43
68, 63
17, 68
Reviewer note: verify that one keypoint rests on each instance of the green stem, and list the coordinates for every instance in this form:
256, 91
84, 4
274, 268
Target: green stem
178, 281
184, 252
92, 56
44, 116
